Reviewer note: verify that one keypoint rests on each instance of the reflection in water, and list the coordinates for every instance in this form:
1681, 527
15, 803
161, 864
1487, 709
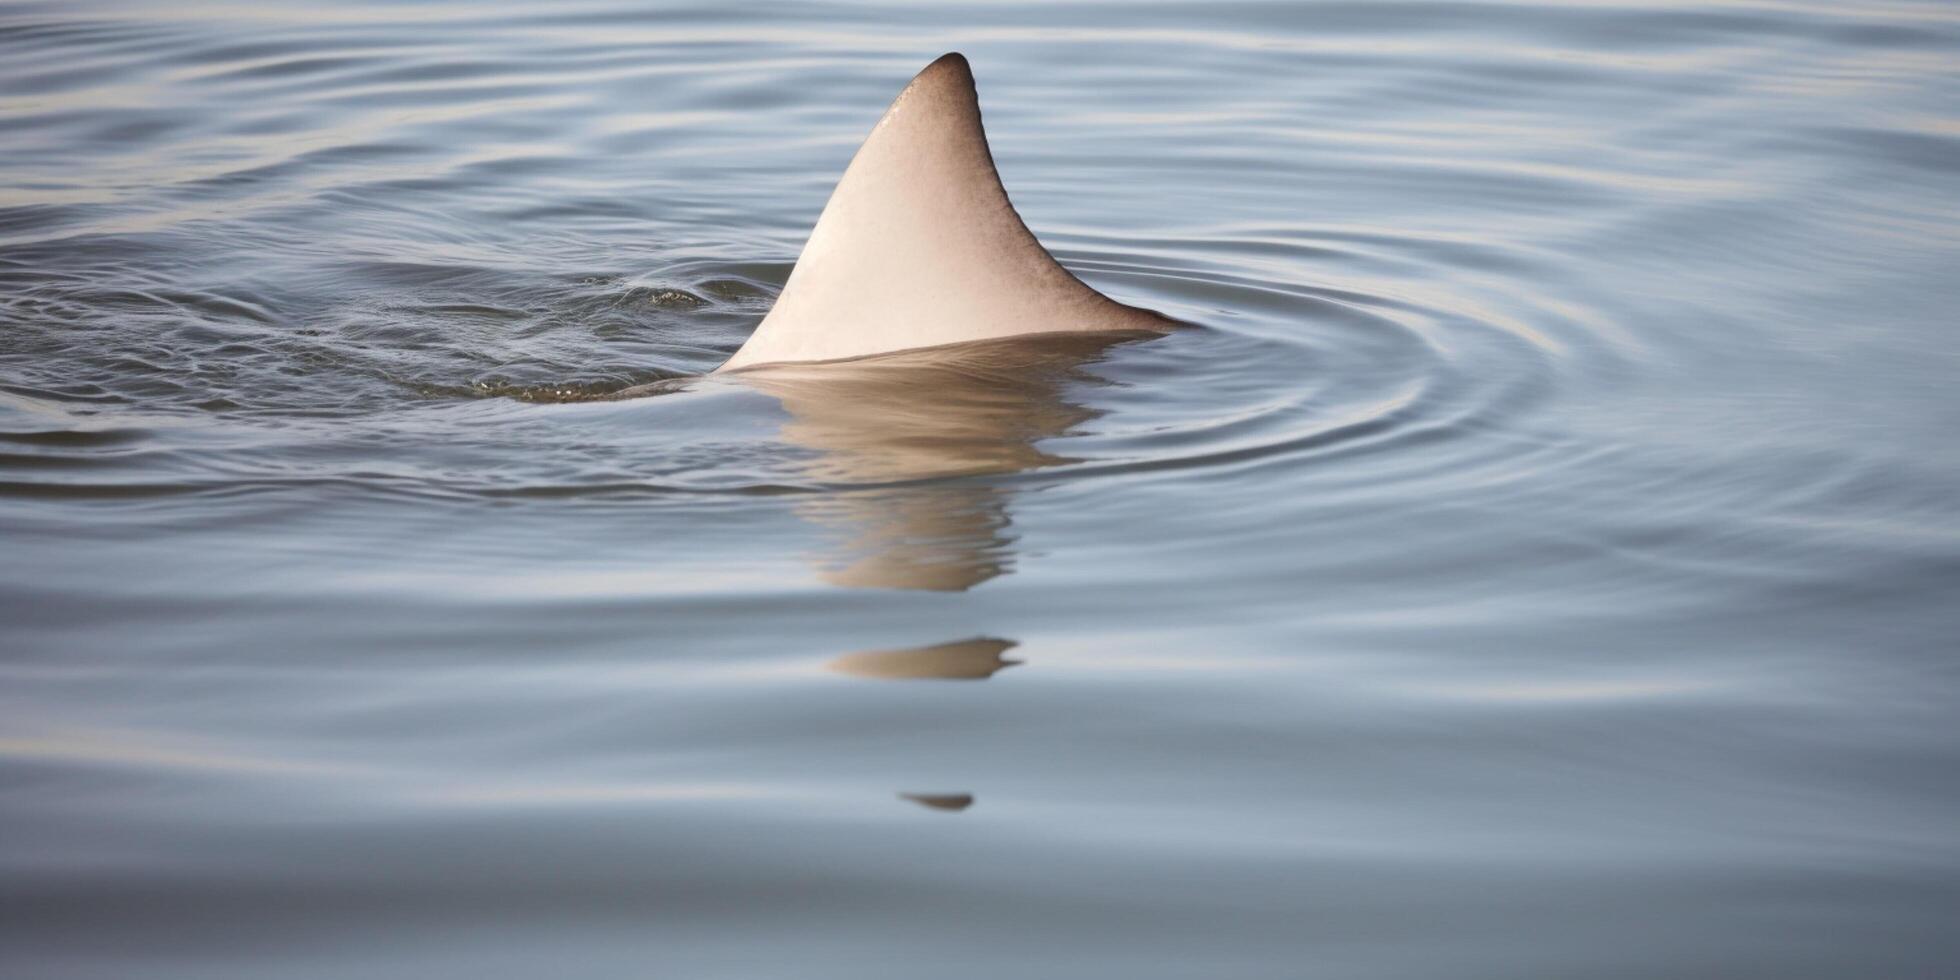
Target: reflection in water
962, 660
900, 432
901, 439
951, 802
938, 538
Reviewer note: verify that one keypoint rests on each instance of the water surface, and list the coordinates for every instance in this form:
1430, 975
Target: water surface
1540, 559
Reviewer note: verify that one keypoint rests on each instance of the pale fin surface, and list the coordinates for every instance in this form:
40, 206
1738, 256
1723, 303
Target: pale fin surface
919, 246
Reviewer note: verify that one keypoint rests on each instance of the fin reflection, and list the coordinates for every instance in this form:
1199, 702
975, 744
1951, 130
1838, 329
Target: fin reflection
904, 435
951, 802
962, 660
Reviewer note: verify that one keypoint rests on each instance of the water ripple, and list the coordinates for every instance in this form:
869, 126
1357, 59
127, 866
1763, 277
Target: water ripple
1544, 526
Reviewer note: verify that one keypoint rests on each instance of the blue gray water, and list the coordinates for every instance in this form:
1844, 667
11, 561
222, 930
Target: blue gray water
1538, 560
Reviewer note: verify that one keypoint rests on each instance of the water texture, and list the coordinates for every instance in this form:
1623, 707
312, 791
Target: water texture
1538, 559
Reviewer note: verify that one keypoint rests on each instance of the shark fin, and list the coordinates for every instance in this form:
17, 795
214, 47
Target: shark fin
920, 247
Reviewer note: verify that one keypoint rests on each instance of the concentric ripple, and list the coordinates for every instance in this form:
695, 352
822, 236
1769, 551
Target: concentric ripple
1535, 559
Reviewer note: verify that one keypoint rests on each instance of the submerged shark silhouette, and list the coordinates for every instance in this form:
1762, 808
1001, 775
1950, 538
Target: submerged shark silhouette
920, 247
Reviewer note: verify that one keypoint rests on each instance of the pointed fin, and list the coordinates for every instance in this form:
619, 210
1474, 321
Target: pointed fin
919, 246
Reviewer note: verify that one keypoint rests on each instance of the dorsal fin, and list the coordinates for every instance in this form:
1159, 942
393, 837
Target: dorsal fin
919, 246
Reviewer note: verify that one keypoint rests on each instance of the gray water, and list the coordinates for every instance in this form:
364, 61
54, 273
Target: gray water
1538, 559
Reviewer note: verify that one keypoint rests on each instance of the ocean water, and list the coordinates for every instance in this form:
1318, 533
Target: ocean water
1539, 558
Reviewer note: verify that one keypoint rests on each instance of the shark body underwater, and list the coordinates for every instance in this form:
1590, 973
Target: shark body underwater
919, 247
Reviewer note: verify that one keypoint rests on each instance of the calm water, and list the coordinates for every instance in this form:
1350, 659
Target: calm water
1540, 560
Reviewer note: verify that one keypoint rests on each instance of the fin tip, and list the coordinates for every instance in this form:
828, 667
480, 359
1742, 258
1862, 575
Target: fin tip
953, 65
